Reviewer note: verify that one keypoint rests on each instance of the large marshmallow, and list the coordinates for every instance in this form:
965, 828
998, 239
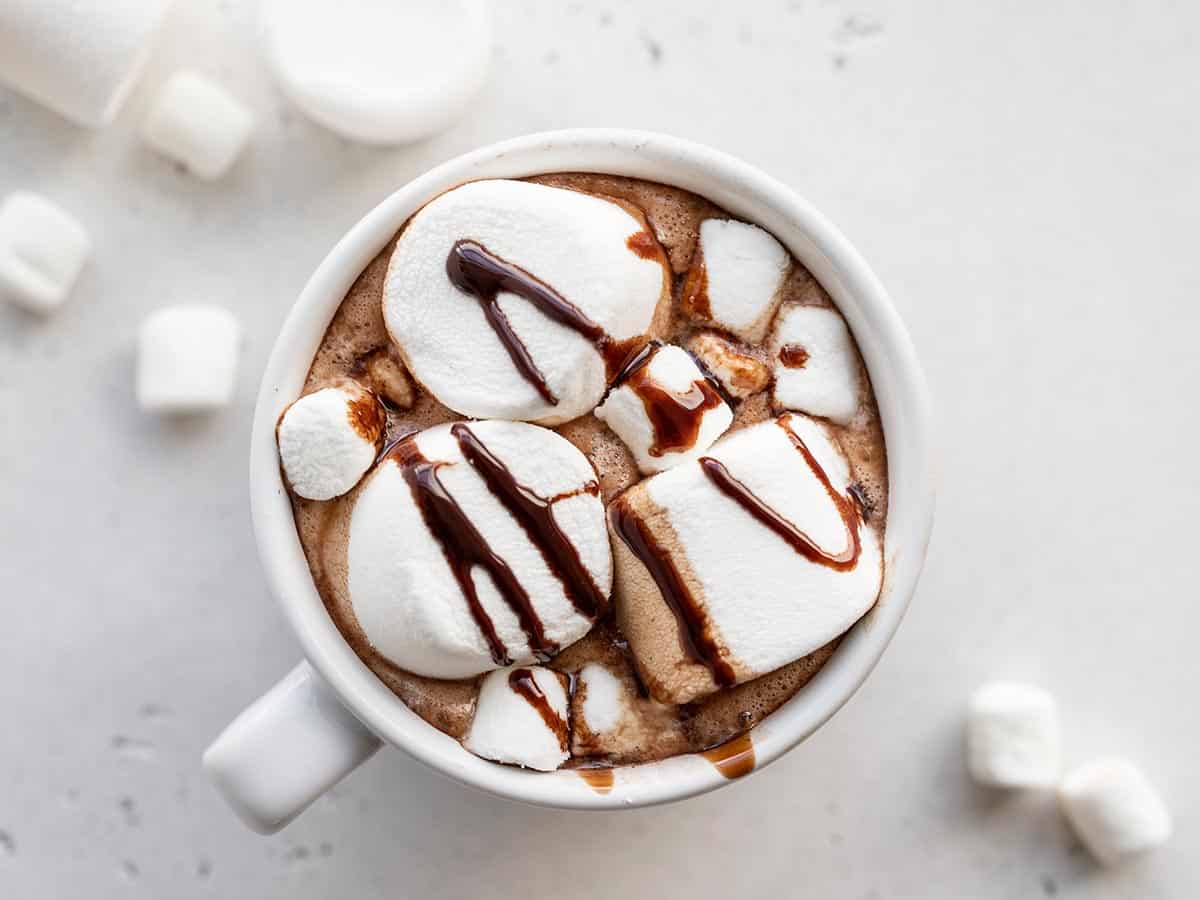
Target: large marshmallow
735, 277
764, 603
79, 58
328, 439
380, 73
404, 593
679, 391
42, 250
511, 727
197, 123
1114, 809
187, 359
816, 364
574, 242
1012, 736
739, 370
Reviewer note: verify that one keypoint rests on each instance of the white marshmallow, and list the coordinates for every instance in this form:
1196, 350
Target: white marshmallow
187, 359
603, 698
740, 373
1012, 736
328, 439
624, 411
197, 123
827, 384
380, 73
765, 603
404, 593
78, 58
744, 268
42, 250
1115, 811
508, 728
574, 242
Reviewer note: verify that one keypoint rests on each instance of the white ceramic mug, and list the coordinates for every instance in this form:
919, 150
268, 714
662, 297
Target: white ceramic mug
331, 712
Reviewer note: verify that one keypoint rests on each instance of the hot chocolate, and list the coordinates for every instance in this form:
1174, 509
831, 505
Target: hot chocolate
682, 535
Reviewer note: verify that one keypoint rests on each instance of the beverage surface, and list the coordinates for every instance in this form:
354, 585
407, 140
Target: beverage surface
726, 448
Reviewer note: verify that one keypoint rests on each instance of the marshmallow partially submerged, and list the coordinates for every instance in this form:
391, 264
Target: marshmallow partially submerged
187, 359
1114, 809
197, 123
589, 254
816, 364
42, 250
735, 277
328, 439
740, 373
521, 718
734, 565
1012, 736
665, 409
456, 568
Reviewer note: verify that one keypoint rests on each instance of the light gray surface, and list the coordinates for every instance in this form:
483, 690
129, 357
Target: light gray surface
1024, 181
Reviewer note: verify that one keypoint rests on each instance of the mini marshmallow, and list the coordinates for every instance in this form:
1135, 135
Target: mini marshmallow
79, 59
735, 277
521, 718
197, 123
740, 373
576, 243
763, 602
380, 73
328, 439
673, 385
1012, 736
603, 703
187, 359
1114, 810
816, 364
402, 587
42, 250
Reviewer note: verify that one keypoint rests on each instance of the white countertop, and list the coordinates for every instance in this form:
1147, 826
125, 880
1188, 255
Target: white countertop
1025, 182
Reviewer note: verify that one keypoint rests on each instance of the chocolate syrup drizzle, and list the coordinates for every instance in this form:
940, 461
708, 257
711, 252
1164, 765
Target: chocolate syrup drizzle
793, 356
695, 630
524, 684
674, 417
474, 270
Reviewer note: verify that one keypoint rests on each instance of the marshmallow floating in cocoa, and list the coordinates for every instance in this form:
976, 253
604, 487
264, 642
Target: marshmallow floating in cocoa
816, 364
476, 545
733, 565
741, 373
328, 439
664, 408
521, 718
516, 300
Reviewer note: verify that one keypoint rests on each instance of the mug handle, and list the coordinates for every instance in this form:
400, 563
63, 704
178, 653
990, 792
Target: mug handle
286, 749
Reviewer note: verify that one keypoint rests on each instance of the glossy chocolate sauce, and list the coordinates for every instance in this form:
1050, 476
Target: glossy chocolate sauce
793, 356
734, 758
524, 684
675, 417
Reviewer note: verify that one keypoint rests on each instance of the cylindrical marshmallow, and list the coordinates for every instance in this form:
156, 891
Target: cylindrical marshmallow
1113, 808
1012, 736
78, 57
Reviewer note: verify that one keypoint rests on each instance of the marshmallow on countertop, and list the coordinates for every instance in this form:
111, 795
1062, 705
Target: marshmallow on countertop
405, 593
42, 250
816, 364
734, 564
379, 73
740, 373
1012, 736
196, 122
187, 359
328, 439
576, 243
670, 383
79, 59
735, 277
521, 718
1114, 809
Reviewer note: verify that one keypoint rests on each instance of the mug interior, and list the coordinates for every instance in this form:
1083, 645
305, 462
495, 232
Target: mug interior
745, 192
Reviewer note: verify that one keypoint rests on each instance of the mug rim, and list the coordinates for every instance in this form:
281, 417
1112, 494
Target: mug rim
742, 190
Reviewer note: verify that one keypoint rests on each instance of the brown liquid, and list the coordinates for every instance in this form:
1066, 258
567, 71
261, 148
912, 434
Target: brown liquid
734, 758
694, 298
357, 338
464, 547
695, 635
599, 780
793, 356
523, 682
674, 417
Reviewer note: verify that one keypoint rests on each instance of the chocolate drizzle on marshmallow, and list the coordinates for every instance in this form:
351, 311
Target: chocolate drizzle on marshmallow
525, 685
